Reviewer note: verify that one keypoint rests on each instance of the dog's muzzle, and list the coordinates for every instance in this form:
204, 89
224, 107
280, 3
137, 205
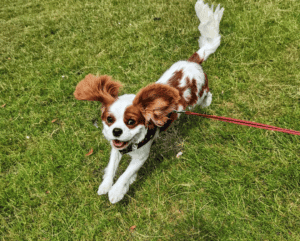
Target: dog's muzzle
117, 132
119, 144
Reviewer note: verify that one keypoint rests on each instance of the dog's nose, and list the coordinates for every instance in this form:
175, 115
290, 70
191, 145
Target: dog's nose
117, 132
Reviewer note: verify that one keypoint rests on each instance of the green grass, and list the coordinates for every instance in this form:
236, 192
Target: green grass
231, 183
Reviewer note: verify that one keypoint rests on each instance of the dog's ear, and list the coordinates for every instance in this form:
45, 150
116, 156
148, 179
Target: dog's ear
156, 101
97, 88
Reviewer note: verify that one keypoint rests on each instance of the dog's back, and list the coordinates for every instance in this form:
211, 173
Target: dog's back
188, 76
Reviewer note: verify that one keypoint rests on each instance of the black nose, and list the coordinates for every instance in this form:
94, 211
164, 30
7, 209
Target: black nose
117, 132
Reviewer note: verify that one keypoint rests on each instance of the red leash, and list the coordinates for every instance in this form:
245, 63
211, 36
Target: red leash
244, 123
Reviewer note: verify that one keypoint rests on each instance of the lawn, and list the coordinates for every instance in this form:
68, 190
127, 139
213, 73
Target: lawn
231, 183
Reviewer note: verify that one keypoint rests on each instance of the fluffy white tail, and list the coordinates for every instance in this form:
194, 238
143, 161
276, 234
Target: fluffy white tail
210, 38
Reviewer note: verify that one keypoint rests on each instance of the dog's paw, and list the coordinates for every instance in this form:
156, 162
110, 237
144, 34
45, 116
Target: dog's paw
117, 192
104, 188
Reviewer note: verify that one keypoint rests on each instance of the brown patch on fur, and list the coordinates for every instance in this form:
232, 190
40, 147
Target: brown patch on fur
105, 115
155, 102
196, 58
192, 85
205, 86
133, 112
101, 88
174, 81
172, 118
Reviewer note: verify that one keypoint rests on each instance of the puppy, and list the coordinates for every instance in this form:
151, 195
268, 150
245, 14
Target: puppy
131, 122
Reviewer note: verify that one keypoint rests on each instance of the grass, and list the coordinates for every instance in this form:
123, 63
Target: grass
231, 183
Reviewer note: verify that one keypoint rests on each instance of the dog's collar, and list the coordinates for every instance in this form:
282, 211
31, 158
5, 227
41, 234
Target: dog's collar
134, 146
149, 136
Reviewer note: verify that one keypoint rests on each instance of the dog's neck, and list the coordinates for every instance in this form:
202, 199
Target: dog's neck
134, 146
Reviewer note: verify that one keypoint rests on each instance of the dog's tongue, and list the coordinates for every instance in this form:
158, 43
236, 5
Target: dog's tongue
118, 143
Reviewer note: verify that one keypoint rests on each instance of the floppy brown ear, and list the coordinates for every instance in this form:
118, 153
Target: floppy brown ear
97, 88
156, 101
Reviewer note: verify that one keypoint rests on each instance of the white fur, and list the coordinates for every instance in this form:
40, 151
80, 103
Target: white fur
192, 71
210, 38
118, 108
208, 43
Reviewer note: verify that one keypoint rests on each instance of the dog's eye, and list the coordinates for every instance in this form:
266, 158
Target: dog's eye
110, 119
131, 122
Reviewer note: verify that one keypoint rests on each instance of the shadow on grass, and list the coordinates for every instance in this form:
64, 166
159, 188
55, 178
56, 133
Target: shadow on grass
167, 145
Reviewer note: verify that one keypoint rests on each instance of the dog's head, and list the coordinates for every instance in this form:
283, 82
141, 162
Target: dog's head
127, 118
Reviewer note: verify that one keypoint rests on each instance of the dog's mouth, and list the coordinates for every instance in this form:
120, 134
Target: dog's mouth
120, 144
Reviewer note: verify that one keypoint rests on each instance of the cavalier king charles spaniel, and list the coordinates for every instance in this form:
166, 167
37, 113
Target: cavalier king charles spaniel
131, 122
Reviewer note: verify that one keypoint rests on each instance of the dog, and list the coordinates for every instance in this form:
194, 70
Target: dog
131, 122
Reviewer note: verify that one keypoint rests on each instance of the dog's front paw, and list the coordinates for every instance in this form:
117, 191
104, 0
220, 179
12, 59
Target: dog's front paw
104, 188
117, 192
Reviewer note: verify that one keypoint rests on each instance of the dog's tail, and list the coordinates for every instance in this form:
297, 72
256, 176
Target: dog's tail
210, 38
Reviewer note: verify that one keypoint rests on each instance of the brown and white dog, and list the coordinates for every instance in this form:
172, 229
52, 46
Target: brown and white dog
131, 122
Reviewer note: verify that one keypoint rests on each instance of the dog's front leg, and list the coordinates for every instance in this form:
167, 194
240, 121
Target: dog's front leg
121, 187
110, 171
